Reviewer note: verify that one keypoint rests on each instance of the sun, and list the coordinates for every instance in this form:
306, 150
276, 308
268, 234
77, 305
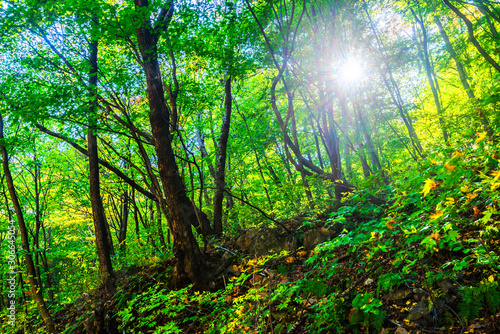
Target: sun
352, 71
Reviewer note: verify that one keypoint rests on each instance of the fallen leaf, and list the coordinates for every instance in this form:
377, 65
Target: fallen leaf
450, 201
476, 212
471, 196
451, 168
436, 215
390, 223
435, 236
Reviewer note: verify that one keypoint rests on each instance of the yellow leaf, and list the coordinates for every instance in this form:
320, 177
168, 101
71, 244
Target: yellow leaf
451, 168
436, 215
494, 186
496, 174
464, 189
389, 224
450, 201
480, 137
302, 253
434, 162
476, 211
457, 154
491, 279
428, 186
471, 196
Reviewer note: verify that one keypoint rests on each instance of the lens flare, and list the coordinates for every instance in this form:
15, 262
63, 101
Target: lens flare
352, 71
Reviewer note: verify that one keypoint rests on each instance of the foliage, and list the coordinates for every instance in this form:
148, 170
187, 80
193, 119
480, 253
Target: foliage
353, 118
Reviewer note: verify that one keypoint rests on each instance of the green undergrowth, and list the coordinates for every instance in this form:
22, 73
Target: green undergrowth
436, 244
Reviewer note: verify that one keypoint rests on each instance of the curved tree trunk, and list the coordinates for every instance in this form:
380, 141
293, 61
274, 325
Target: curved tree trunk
181, 210
472, 38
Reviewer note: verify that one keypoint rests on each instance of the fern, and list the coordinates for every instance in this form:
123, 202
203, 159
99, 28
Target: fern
473, 298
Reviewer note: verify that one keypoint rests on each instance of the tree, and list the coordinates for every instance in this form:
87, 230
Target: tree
181, 211
102, 237
35, 284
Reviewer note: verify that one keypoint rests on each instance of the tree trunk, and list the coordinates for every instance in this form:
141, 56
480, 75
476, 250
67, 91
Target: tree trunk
394, 91
30, 265
471, 37
181, 210
220, 182
257, 159
122, 233
433, 84
159, 227
100, 226
461, 74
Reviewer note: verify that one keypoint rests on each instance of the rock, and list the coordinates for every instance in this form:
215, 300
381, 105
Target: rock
419, 310
368, 281
401, 330
418, 296
291, 243
262, 241
398, 295
243, 243
445, 286
315, 237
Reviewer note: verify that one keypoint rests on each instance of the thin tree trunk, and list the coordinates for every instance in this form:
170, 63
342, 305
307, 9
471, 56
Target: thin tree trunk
461, 74
368, 139
316, 142
395, 92
136, 218
35, 284
433, 84
471, 37
122, 233
159, 227
257, 159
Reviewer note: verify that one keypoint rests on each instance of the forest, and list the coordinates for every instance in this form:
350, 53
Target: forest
250, 166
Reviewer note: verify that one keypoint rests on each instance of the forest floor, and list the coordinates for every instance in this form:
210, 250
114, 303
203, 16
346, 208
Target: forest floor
425, 262
325, 290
